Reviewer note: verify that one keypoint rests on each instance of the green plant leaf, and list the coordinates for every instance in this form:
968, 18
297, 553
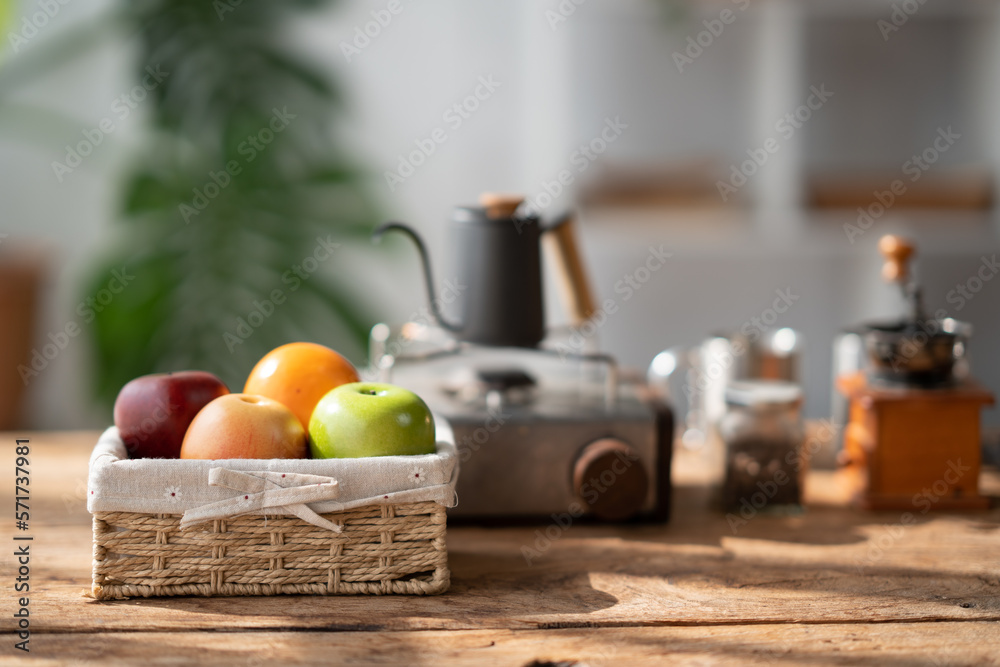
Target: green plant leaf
219, 208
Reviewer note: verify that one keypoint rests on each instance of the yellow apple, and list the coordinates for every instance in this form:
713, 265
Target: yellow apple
245, 426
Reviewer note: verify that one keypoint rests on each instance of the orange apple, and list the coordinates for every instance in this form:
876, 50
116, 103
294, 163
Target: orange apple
244, 426
298, 375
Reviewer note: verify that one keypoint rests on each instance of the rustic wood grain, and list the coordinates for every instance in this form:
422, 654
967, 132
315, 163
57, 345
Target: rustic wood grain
693, 588
892, 645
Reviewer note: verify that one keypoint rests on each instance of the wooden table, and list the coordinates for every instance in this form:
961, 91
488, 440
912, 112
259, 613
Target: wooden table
831, 586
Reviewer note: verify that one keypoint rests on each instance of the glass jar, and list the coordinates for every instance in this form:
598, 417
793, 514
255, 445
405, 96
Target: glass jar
762, 432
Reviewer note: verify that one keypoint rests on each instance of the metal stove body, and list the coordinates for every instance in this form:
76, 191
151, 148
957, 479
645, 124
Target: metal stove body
539, 432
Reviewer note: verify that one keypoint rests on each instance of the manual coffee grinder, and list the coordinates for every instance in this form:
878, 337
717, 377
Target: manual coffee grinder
912, 440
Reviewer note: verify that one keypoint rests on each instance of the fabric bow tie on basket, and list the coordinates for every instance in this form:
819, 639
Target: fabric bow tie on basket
283, 492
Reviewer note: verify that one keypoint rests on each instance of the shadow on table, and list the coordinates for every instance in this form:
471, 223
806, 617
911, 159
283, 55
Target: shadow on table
581, 581
696, 520
767, 646
810, 567
761, 645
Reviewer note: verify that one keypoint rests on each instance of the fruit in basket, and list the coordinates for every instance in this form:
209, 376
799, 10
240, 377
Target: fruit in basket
371, 419
299, 375
153, 412
245, 426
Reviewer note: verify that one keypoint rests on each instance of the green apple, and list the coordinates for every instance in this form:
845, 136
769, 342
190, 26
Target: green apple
370, 419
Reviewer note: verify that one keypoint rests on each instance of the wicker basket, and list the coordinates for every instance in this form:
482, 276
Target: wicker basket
382, 548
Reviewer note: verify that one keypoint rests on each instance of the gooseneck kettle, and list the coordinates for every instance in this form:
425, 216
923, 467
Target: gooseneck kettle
500, 297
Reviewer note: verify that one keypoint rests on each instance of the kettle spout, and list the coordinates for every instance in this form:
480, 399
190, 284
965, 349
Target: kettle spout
425, 260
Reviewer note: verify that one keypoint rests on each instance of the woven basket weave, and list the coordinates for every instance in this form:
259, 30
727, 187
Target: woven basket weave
382, 549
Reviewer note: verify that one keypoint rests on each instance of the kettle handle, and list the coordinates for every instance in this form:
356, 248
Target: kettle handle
563, 250
425, 260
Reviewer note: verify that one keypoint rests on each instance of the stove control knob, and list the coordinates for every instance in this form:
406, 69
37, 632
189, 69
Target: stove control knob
609, 478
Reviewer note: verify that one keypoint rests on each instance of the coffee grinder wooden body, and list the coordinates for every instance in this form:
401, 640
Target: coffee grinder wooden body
908, 448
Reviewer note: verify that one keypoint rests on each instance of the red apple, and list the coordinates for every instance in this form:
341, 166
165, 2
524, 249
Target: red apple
245, 426
153, 412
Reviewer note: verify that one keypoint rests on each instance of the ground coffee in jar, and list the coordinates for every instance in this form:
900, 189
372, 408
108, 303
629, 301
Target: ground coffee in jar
762, 432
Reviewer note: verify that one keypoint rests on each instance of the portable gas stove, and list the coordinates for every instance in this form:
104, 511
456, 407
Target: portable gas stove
539, 432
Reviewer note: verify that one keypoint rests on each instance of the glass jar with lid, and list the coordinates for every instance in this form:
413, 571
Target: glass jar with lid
762, 431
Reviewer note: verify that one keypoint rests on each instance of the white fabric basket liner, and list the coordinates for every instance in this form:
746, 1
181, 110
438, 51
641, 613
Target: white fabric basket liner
174, 486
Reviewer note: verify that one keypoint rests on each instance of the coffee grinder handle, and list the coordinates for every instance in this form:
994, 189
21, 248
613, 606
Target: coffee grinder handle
563, 251
898, 252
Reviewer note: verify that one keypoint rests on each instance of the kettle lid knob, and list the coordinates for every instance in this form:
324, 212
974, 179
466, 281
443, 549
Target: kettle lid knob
500, 204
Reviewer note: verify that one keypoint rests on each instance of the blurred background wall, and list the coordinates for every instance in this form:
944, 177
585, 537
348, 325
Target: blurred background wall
560, 73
